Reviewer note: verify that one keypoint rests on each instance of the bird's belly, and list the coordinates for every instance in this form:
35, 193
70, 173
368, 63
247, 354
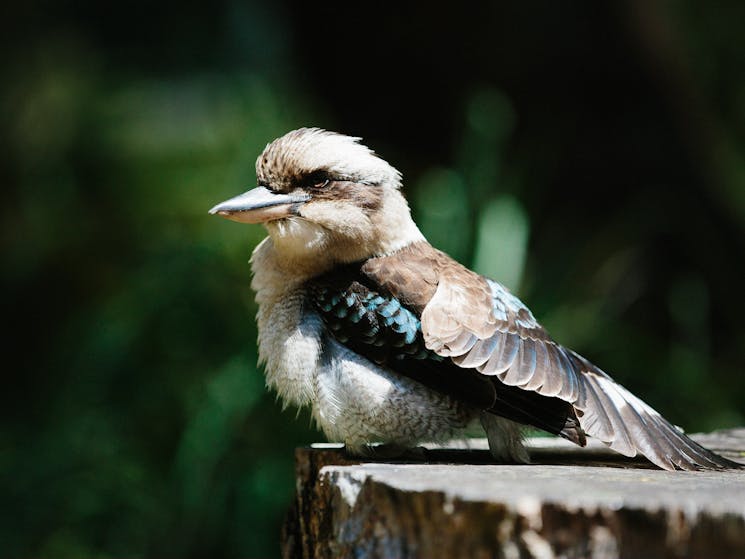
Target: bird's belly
358, 403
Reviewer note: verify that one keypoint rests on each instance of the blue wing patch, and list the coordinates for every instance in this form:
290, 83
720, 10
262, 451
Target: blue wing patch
378, 327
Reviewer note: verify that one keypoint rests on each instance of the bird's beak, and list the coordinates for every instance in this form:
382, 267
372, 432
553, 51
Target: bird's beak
260, 205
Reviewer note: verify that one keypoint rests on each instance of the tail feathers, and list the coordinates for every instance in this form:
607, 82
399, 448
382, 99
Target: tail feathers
553, 415
572, 431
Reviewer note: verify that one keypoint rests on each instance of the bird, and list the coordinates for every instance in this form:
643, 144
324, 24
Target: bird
390, 342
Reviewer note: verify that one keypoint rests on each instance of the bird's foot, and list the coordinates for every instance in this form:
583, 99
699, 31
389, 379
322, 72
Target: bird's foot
387, 451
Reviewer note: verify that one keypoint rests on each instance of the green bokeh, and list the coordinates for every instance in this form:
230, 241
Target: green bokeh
136, 422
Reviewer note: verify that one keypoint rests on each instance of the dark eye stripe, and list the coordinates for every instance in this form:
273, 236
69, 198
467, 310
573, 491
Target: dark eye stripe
316, 179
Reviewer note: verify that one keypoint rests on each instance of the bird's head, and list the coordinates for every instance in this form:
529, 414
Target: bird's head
325, 197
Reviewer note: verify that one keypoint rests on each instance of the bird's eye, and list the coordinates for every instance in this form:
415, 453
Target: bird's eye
316, 180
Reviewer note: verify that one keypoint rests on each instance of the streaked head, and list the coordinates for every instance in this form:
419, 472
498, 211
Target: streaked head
320, 192
309, 156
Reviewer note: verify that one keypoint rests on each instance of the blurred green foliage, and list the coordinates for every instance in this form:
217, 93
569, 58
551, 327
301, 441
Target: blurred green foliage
136, 423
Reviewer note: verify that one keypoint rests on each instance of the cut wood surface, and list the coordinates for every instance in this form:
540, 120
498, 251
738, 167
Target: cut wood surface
570, 502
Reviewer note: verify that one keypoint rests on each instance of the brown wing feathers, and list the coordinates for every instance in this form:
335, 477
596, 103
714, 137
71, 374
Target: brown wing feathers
412, 275
480, 325
613, 415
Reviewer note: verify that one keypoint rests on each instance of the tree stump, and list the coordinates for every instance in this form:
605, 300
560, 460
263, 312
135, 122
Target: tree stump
570, 502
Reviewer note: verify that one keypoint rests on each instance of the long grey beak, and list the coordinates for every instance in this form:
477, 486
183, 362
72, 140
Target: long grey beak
260, 205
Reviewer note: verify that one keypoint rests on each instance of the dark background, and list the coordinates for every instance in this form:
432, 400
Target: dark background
588, 154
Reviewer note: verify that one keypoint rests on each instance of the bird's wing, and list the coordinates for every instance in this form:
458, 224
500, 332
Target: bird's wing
481, 326
381, 329
364, 316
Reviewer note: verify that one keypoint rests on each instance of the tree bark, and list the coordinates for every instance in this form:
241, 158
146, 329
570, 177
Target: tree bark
570, 503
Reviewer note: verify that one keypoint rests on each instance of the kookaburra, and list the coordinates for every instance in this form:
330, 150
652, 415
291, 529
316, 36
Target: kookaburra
389, 340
